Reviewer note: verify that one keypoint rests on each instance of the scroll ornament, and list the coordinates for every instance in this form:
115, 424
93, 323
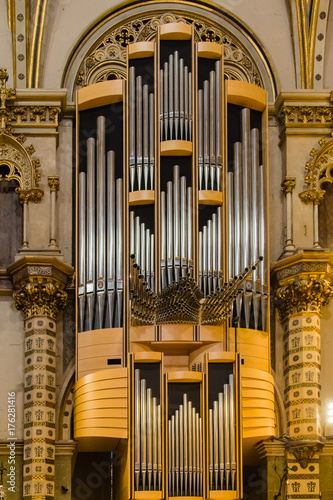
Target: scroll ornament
302, 295
40, 299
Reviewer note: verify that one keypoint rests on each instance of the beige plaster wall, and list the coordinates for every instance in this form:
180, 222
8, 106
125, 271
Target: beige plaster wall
6, 57
11, 365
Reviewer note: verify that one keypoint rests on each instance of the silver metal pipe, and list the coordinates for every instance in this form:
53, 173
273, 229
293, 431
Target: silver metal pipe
190, 117
169, 457
185, 443
189, 231
111, 234
139, 130
206, 131
166, 100
200, 457
159, 447
212, 132
152, 262
226, 408
186, 103
231, 216
176, 222
221, 439
215, 244
82, 247
176, 93
148, 257
237, 206
91, 228
216, 440
169, 233
219, 247
149, 437
100, 217
137, 427
164, 281
161, 104
145, 100
200, 260
246, 165
200, 136
261, 224
177, 451
151, 141
205, 260
211, 448
232, 432
218, 154
143, 250
181, 448
183, 226
137, 241
131, 86
171, 97
255, 221
143, 433
132, 233
120, 251
181, 97
190, 446
155, 442
194, 466
173, 454
209, 256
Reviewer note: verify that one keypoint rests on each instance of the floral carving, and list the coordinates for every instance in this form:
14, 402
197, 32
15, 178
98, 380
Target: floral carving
40, 299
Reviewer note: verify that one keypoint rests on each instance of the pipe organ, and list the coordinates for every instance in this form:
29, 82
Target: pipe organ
171, 257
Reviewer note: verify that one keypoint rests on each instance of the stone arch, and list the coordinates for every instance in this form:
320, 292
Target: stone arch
65, 406
101, 54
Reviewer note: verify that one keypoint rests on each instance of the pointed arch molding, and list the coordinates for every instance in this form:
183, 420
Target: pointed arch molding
319, 170
17, 163
101, 53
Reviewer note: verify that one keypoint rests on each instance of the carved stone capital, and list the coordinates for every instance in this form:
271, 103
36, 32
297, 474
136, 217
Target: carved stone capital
288, 184
40, 299
302, 295
294, 116
302, 282
39, 285
54, 184
312, 196
34, 195
304, 451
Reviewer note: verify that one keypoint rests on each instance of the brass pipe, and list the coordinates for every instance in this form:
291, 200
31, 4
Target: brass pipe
82, 248
185, 403
100, 218
211, 448
139, 130
151, 140
226, 410
155, 442
201, 456
149, 438
221, 439
111, 234
216, 441
143, 433
145, 133
232, 433
171, 96
131, 86
137, 427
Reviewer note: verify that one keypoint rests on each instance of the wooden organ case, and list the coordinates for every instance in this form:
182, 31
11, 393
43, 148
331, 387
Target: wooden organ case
172, 268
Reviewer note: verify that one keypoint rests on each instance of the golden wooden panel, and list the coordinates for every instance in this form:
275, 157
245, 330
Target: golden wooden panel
257, 393
221, 357
97, 364
114, 403
142, 333
102, 375
148, 357
184, 376
257, 403
176, 148
175, 31
251, 350
177, 333
209, 50
100, 350
258, 422
106, 393
143, 197
247, 336
100, 94
253, 362
257, 384
95, 337
246, 94
258, 433
139, 50
257, 374
258, 413
102, 412
210, 197
211, 333
99, 422
100, 385
148, 495
100, 432
222, 495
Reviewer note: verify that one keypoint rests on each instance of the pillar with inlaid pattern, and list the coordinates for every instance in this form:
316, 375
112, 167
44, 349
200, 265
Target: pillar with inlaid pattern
40, 293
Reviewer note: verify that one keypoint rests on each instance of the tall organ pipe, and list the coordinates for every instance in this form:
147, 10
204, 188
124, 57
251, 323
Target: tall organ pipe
131, 86
91, 242
176, 221
151, 141
82, 247
111, 239
119, 247
183, 230
231, 217
137, 429
146, 130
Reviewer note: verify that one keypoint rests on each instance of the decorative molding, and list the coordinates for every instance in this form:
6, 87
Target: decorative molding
318, 172
54, 184
288, 184
40, 299
303, 265
302, 295
310, 115
107, 59
304, 451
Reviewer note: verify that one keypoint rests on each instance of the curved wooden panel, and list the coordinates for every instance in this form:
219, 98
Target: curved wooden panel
246, 94
175, 31
138, 50
184, 376
143, 197
258, 423
101, 401
210, 197
176, 148
209, 50
100, 94
258, 413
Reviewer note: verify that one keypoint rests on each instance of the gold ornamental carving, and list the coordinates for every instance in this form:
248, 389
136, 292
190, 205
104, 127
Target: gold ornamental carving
290, 116
54, 184
107, 59
40, 299
304, 451
288, 184
318, 171
302, 294
6, 95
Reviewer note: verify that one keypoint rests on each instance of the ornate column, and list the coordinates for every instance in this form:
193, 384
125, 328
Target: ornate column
39, 284
287, 186
54, 185
302, 287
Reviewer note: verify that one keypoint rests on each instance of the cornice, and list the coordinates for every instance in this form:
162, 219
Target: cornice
304, 263
270, 449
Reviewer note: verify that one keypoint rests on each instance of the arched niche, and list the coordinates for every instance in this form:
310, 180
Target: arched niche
101, 53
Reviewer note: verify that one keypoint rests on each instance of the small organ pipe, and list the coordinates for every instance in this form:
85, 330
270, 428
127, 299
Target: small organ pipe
149, 437
231, 224
226, 408
151, 141
215, 244
200, 136
163, 241
216, 440
246, 186
170, 455
206, 131
211, 447
190, 118
143, 433
173, 454
190, 446
161, 104
155, 442
171, 96
137, 427
221, 439
177, 451
169, 233
139, 130
194, 466
186, 103
189, 230
185, 443
181, 448
146, 130
166, 99
159, 448
181, 97
100, 217
237, 206
91, 240
212, 120
148, 257
176, 222
131, 86
152, 262
219, 247
232, 433
183, 230
142, 263
176, 93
